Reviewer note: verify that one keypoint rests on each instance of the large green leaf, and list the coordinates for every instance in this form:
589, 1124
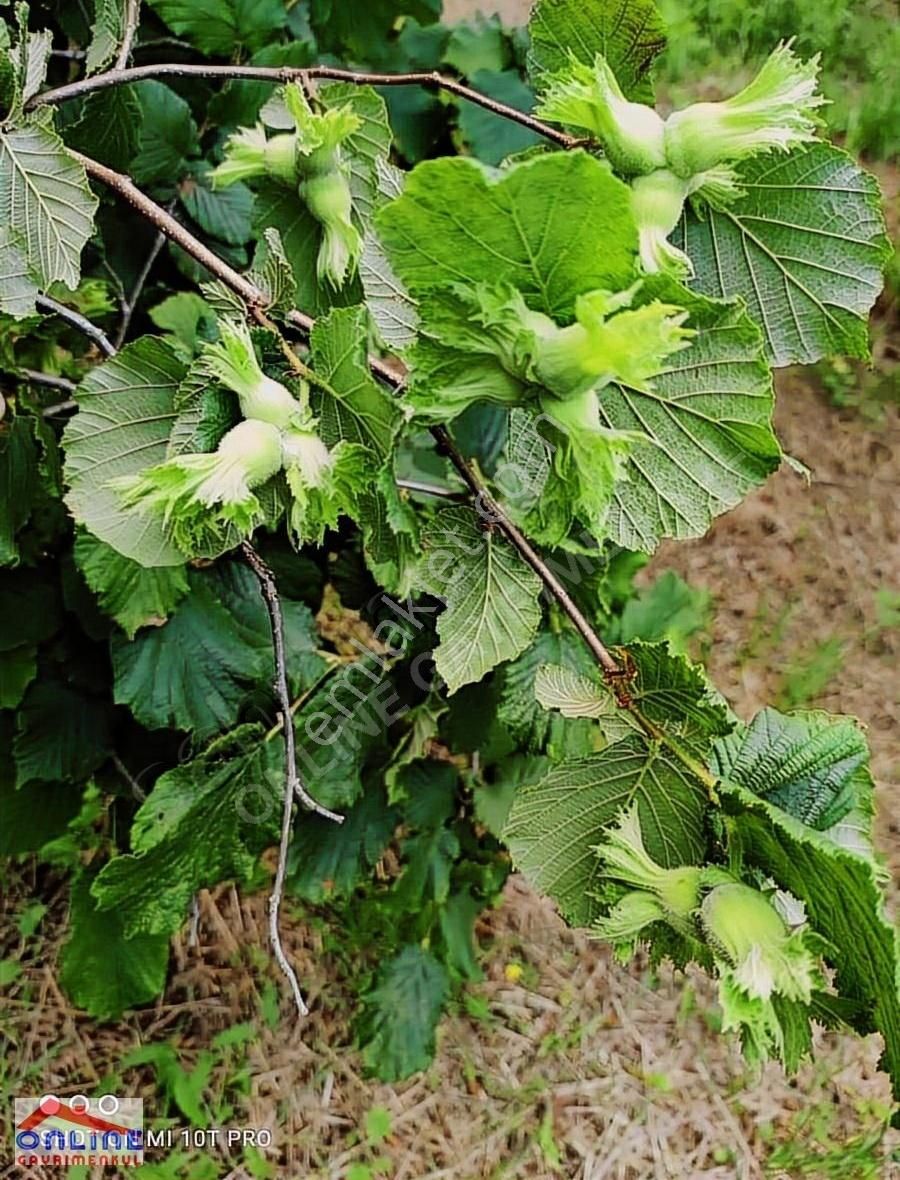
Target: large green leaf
46, 201
805, 248
132, 594
232, 803
18, 288
707, 426
30, 610
222, 27
125, 413
458, 221
492, 598
340, 726
401, 1013
168, 135
329, 861
61, 735
629, 34
17, 670
103, 971
554, 825
340, 26
194, 672
810, 764
354, 408
842, 892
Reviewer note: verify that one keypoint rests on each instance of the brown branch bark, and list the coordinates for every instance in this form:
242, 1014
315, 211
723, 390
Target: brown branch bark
279, 75
387, 374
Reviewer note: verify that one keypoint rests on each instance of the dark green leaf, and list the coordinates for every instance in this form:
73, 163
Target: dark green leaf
61, 735
329, 861
102, 971
168, 135
402, 1011
19, 481
222, 27
134, 596
490, 137
233, 802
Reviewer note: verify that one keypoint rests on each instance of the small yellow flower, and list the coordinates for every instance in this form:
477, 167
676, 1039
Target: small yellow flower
512, 972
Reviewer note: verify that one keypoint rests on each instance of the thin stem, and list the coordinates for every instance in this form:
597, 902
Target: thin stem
132, 19
293, 783
51, 380
130, 302
77, 320
431, 489
281, 74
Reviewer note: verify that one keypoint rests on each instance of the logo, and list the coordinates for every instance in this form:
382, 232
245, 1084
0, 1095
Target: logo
92, 1132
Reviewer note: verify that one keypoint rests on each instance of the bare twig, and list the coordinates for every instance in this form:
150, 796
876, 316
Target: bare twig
132, 19
431, 489
293, 782
51, 380
129, 304
275, 74
77, 320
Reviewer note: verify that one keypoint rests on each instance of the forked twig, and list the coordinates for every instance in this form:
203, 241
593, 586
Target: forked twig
293, 784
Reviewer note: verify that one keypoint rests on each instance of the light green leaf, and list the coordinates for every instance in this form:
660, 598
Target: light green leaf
46, 201
841, 890
669, 608
233, 801
133, 595
805, 248
61, 735
812, 765
390, 304
517, 228
557, 687
707, 424
401, 1012
125, 413
101, 970
168, 135
106, 33
523, 711
222, 27
477, 44
629, 34
355, 408
492, 598
194, 672
17, 286
554, 825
